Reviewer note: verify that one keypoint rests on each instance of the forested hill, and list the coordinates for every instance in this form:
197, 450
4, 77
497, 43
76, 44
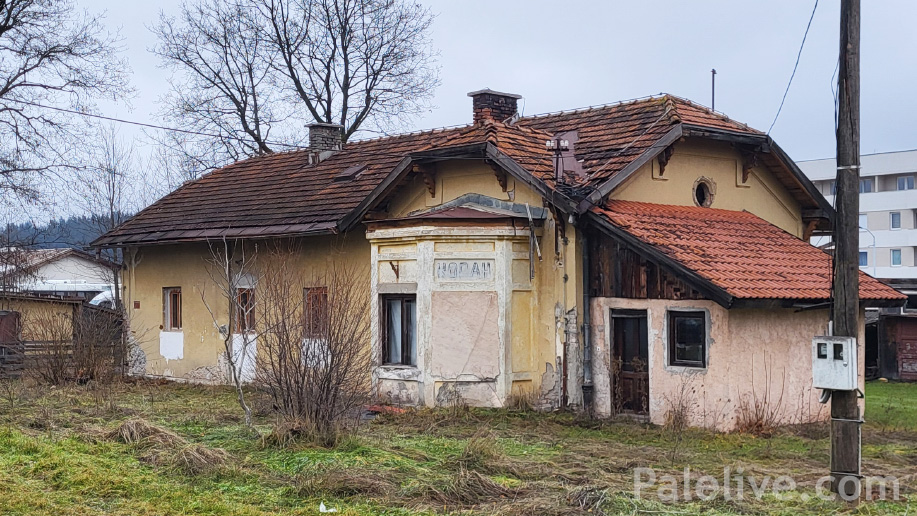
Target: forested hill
75, 232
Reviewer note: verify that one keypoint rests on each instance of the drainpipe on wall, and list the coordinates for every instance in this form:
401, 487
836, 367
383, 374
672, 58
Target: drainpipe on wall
587, 328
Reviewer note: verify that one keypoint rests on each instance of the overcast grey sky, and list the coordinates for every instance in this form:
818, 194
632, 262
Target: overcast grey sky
568, 54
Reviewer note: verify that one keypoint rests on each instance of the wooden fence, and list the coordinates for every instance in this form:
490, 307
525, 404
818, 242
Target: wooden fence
95, 348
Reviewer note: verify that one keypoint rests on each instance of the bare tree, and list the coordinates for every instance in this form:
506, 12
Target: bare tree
255, 71
222, 85
315, 359
353, 62
51, 54
231, 267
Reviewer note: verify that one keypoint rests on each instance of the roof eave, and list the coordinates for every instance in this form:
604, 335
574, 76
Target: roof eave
703, 285
598, 195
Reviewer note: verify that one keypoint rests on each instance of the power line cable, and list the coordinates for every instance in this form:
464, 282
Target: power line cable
798, 56
151, 126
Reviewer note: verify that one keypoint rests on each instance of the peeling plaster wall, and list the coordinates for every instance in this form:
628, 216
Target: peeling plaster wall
751, 354
522, 353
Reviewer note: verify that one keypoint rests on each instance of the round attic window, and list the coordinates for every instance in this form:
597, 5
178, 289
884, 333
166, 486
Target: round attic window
704, 190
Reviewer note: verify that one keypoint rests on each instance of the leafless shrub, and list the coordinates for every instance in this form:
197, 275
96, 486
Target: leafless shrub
521, 401
679, 411
50, 335
760, 413
315, 359
79, 345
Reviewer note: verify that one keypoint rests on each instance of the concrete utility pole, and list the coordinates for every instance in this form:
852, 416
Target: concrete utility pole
845, 414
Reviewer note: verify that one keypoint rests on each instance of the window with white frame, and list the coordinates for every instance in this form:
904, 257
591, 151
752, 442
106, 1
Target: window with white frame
906, 183
864, 258
863, 221
896, 220
866, 185
896, 257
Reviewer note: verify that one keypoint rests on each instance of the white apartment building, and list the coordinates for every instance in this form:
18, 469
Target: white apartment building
888, 210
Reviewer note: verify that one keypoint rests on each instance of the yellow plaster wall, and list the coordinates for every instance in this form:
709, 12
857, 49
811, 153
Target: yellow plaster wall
762, 194
454, 179
186, 266
536, 337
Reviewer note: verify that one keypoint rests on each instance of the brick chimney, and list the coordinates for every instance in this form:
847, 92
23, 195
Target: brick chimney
492, 105
325, 137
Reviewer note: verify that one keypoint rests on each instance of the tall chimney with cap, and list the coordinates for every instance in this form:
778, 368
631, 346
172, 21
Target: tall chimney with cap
495, 106
325, 137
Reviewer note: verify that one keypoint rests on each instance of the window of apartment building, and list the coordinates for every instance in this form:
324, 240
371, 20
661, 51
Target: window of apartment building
315, 311
171, 309
896, 257
399, 322
864, 259
687, 339
906, 183
895, 220
833, 187
866, 185
862, 221
245, 310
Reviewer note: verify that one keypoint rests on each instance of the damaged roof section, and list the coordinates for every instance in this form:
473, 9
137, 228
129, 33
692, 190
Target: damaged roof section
292, 194
738, 253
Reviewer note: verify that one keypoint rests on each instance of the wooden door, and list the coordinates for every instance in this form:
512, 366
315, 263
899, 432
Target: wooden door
630, 361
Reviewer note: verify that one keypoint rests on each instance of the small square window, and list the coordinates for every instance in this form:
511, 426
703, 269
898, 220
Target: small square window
687, 339
865, 185
864, 259
896, 257
896, 219
906, 183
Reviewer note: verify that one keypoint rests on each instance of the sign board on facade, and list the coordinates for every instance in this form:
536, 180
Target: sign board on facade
464, 270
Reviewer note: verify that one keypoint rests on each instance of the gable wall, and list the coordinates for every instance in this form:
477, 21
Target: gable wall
762, 195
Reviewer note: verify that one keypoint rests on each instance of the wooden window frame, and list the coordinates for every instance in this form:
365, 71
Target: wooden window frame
169, 311
406, 359
672, 315
315, 317
245, 310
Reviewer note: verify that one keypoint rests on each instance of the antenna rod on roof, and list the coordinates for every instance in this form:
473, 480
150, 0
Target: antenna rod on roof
713, 89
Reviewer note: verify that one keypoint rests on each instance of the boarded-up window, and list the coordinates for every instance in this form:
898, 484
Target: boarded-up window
315, 311
245, 310
171, 308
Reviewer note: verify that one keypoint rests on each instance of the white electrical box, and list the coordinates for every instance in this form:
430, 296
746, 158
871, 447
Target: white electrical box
834, 363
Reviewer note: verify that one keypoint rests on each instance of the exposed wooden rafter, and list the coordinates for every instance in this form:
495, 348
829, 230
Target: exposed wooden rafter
664, 158
429, 179
749, 161
500, 173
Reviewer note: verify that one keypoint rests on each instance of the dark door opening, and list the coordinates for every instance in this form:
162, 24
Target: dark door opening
630, 361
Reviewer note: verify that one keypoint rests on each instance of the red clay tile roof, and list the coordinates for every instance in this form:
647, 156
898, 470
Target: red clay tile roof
283, 194
738, 252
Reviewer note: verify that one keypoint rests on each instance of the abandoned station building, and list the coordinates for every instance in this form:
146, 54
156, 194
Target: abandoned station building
612, 259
